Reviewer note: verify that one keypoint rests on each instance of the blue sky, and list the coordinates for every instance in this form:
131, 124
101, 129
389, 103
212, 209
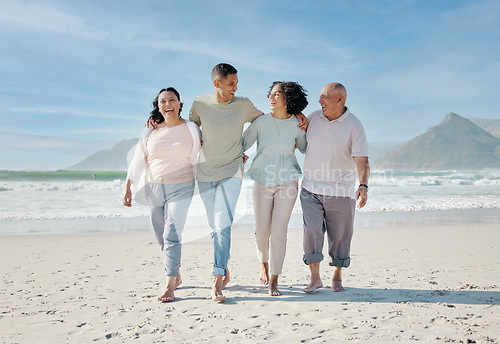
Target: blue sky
79, 76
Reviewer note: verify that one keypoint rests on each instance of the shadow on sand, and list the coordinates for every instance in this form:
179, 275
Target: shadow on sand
372, 295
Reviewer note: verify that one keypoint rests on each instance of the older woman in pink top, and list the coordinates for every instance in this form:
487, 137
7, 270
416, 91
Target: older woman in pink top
161, 175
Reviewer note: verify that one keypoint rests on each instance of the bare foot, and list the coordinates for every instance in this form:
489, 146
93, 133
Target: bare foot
313, 285
226, 279
178, 281
273, 286
264, 273
168, 295
217, 290
337, 285
217, 296
337, 280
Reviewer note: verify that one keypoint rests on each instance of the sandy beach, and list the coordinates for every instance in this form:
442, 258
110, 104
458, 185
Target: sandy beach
433, 284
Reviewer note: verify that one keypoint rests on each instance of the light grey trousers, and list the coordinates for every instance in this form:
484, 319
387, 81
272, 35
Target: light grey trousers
169, 205
330, 214
273, 207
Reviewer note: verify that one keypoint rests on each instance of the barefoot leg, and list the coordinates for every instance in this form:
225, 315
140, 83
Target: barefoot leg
315, 282
337, 280
168, 295
273, 286
217, 289
226, 279
264, 273
178, 280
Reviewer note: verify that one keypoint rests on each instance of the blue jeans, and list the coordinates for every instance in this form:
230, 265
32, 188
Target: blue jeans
220, 199
169, 205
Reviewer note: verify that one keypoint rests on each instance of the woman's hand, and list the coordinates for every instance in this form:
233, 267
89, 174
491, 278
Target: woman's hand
151, 123
127, 194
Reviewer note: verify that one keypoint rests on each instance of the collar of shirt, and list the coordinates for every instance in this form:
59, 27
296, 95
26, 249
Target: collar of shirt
340, 119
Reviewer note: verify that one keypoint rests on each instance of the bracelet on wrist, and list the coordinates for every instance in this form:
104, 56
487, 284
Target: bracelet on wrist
364, 185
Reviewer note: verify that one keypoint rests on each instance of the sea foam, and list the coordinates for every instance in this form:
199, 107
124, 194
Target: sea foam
74, 197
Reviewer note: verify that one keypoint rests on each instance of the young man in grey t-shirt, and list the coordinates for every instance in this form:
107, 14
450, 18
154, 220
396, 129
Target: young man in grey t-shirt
220, 166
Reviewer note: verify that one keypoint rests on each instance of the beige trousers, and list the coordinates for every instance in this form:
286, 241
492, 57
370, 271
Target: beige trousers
273, 207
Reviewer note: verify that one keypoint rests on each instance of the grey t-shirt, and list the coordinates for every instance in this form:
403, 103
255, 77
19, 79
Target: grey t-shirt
222, 126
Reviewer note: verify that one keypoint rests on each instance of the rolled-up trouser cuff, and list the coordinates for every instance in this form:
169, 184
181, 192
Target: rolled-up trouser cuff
313, 258
343, 263
219, 271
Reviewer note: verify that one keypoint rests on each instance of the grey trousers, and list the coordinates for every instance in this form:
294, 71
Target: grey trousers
330, 214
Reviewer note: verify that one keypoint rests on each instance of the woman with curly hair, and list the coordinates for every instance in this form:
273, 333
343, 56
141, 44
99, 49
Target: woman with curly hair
275, 172
161, 175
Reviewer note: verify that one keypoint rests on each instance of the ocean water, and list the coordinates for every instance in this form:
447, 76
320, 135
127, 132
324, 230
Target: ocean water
83, 201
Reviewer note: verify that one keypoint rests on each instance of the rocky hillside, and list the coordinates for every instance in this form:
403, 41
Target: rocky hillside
490, 125
114, 159
456, 143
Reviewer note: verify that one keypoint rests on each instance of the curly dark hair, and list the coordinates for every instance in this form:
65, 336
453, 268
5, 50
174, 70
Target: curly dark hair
155, 113
295, 96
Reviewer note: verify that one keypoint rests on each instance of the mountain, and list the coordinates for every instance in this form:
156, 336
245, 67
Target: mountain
114, 159
378, 150
456, 143
490, 125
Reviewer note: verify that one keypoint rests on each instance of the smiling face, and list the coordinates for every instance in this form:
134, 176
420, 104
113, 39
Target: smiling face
277, 99
226, 87
168, 104
332, 100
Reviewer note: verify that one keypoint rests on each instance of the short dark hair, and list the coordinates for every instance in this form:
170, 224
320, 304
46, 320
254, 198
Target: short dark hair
222, 70
295, 96
155, 113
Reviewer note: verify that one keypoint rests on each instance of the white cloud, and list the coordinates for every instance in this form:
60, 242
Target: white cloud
20, 141
246, 44
41, 18
118, 131
67, 111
